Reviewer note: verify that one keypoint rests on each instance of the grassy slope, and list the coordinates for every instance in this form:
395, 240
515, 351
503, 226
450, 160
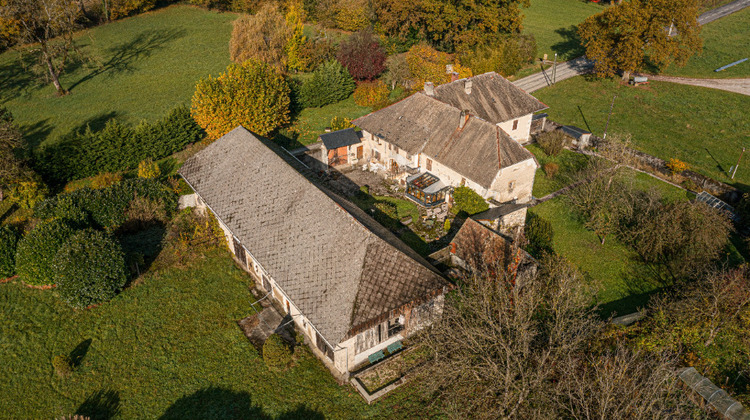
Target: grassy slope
705, 127
149, 64
312, 122
725, 41
552, 22
169, 345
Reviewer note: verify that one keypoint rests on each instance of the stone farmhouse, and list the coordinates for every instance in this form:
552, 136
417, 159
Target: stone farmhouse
466, 132
350, 286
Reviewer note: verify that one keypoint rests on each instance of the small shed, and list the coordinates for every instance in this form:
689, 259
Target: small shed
581, 137
337, 146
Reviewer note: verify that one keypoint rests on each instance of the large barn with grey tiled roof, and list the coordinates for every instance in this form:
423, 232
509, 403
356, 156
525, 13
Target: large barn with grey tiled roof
348, 283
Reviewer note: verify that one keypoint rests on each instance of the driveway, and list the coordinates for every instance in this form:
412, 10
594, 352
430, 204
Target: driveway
741, 86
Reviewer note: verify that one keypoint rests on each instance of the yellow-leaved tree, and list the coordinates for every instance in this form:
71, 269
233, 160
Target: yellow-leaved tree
253, 94
295, 60
427, 64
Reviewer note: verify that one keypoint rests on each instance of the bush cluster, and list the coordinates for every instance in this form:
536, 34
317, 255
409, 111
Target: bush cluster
372, 94
8, 245
36, 252
117, 147
467, 200
330, 83
505, 56
276, 353
539, 233
551, 169
105, 208
553, 142
62, 365
89, 268
362, 56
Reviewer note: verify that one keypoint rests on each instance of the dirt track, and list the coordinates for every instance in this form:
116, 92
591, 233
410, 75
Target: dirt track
741, 86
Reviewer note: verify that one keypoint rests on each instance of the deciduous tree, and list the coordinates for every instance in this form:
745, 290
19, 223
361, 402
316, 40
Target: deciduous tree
263, 36
253, 95
50, 25
624, 36
12, 168
362, 55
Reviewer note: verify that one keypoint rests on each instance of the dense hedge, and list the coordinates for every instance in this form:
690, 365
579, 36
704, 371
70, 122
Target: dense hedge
8, 245
36, 251
89, 269
117, 147
105, 208
467, 200
539, 233
330, 83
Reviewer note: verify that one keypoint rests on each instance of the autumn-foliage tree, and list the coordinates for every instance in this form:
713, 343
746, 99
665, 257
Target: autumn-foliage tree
12, 168
263, 36
506, 55
372, 94
629, 34
426, 64
117, 9
362, 55
449, 25
297, 40
253, 95
352, 15
50, 25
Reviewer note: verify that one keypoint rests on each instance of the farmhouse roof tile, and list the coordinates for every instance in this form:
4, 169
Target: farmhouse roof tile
336, 264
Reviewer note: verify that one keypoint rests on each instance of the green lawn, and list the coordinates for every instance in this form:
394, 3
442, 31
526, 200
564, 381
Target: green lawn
569, 163
145, 66
725, 41
706, 128
552, 22
312, 122
169, 347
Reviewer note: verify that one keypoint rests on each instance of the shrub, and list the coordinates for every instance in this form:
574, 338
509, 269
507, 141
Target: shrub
371, 94
362, 56
105, 179
276, 353
117, 147
539, 233
340, 123
447, 225
551, 169
123, 8
63, 365
8, 245
90, 269
330, 83
351, 15
553, 142
253, 95
505, 56
315, 52
148, 169
36, 252
677, 166
387, 208
27, 194
467, 200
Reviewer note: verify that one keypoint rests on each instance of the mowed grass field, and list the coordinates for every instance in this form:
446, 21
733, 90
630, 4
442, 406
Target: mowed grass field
724, 41
166, 348
552, 22
706, 128
140, 68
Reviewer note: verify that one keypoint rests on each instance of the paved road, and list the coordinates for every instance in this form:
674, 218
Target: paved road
741, 86
581, 65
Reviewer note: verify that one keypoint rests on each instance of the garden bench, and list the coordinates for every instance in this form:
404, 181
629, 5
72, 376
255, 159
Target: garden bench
395, 347
375, 357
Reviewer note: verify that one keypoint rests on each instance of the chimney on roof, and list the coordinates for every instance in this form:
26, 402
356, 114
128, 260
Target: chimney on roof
429, 89
467, 86
454, 76
463, 119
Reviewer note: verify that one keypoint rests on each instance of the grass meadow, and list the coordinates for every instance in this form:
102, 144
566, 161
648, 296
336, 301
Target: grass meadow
706, 128
724, 41
168, 347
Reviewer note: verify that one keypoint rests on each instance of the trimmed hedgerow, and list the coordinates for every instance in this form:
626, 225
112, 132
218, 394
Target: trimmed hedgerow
8, 245
330, 83
36, 251
117, 147
89, 269
276, 353
105, 208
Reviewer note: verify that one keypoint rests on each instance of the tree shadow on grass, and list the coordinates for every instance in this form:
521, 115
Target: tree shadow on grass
35, 134
570, 46
16, 78
78, 353
101, 405
217, 404
122, 57
301, 413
